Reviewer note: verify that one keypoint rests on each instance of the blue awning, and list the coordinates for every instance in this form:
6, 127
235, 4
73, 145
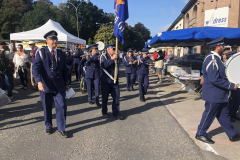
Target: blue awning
194, 36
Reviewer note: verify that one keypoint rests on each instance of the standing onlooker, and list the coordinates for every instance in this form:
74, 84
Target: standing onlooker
171, 56
159, 66
20, 60
32, 53
155, 55
7, 68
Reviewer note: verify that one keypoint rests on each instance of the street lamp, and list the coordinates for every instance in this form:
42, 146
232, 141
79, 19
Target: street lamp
104, 28
76, 11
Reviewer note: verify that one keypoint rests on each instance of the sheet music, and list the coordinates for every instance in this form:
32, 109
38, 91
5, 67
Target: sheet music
70, 93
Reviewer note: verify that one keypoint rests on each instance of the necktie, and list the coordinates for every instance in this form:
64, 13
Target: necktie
53, 56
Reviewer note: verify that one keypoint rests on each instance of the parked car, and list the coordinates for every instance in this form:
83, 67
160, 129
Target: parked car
191, 60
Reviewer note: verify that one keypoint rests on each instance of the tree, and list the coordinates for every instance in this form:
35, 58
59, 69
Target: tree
88, 15
46, 1
107, 32
90, 42
41, 13
29, 4
11, 13
132, 39
143, 30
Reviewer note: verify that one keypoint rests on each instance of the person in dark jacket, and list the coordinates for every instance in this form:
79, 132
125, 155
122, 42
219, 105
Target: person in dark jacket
69, 60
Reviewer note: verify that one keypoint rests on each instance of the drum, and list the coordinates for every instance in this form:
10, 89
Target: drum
232, 69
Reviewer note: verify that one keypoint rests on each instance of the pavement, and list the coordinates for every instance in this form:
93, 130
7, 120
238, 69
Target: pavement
187, 108
149, 131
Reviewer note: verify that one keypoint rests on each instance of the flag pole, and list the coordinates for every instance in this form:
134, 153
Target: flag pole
115, 72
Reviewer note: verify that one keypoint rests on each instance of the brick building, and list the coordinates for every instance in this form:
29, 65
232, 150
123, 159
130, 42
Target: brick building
200, 13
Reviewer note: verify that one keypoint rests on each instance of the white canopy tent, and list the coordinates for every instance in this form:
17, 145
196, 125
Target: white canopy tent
38, 33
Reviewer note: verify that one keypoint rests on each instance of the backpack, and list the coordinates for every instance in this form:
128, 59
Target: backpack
4, 62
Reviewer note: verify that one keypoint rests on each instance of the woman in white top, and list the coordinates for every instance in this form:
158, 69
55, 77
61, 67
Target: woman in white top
20, 59
159, 66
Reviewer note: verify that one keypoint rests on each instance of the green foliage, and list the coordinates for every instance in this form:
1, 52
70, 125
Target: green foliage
11, 13
24, 15
90, 41
107, 32
40, 14
143, 30
132, 38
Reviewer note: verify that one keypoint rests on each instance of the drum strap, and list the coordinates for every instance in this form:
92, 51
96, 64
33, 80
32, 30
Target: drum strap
213, 62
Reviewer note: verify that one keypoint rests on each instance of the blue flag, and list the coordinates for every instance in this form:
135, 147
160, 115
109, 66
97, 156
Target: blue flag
121, 15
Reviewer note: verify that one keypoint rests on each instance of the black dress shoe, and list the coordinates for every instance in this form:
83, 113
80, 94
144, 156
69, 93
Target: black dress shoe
205, 139
132, 89
49, 131
232, 120
63, 134
235, 138
99, 105
142, 100
119, 117
91, 103
105, 116
128, 90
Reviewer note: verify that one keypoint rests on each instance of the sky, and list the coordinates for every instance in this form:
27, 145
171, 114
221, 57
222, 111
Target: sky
156, 15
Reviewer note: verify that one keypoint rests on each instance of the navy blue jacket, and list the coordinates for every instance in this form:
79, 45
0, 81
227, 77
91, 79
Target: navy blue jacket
215, 87
129, 68
143, 67
69, 61
77, 57
52, 75
109, 66
93, 66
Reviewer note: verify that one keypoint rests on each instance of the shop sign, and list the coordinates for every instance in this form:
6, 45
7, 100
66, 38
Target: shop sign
217, 17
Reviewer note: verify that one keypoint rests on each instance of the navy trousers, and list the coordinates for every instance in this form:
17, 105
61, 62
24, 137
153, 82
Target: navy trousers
90, 82
143, 82
221, 112
61, 109
233, 106
69, 72
78, 74
112, 89
130, 80
9, 81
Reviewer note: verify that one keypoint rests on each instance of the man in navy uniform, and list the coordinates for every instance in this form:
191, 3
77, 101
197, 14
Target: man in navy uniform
77, 60
82, 70
107, 82
215, 92
69, 60
50, 73
142, 72
235, 94
130, 62
93, 73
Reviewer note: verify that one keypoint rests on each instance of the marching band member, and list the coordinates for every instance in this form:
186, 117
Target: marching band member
69, 60
143, 71
82, 69
130, 62
93, 73
77, 59
215, 92
107, 82
50, 73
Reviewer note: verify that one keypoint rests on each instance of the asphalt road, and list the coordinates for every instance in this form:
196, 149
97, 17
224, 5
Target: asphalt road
148, 132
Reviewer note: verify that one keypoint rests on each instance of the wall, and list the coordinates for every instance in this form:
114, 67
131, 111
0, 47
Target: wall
233, 20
